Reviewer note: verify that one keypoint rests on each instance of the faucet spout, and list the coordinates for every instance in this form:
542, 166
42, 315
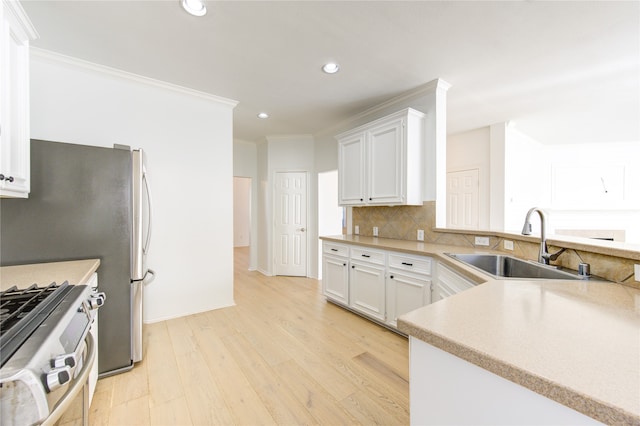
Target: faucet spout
543, 254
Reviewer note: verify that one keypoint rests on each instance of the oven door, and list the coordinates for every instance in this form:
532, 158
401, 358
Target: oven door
79, 384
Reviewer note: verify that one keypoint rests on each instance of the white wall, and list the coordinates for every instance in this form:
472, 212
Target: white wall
527, 179
241, 211
245, 164
188, 139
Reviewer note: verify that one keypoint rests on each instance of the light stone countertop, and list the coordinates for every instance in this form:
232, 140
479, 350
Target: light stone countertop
575, 342
22, 276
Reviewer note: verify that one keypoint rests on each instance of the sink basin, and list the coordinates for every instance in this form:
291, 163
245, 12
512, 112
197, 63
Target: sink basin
503, 266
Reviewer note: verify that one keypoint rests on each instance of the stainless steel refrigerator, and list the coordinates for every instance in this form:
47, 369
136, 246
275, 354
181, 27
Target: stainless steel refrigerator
89, 202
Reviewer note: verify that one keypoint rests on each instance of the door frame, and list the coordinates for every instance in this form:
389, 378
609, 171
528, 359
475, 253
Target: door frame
274, 269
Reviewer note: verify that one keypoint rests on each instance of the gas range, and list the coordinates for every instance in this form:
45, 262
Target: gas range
46, 350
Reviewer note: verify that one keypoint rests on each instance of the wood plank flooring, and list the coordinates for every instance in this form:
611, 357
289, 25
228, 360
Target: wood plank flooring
282, 355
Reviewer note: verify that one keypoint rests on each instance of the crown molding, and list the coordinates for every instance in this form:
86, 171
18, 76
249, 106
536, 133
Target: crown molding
15, 8
430, 87
114, 72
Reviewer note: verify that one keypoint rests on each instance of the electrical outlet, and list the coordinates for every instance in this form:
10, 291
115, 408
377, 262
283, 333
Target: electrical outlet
357, 230
375, 231
508, 245
637, 272
420, 235
482, 241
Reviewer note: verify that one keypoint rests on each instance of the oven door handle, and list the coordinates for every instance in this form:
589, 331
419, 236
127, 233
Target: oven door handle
77, 386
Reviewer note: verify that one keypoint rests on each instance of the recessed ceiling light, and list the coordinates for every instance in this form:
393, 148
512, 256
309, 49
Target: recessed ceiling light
331, 68
194, 7
263, 115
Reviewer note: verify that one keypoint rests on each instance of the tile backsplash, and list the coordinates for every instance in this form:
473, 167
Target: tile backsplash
403, 222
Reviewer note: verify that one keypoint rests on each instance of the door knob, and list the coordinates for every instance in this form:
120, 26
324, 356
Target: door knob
301, 229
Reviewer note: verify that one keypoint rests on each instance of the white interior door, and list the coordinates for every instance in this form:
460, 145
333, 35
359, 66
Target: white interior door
291, 224
462, 199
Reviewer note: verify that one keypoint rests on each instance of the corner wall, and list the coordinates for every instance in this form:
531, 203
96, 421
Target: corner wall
188, 139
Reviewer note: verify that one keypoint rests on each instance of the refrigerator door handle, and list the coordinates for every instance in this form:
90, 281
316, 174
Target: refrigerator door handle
145, 249
150, 272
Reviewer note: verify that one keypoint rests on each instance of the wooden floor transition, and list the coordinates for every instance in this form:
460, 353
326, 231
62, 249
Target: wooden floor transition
282, 355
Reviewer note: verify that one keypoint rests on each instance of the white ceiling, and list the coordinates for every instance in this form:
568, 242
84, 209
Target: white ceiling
563, 72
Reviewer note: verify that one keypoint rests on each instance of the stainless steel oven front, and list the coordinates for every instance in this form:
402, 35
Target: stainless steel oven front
46, 350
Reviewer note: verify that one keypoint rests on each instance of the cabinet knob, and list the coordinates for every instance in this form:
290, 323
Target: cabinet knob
391, 277
361, 199
344, 264
2, 178
353, 266
370, 198
8, 179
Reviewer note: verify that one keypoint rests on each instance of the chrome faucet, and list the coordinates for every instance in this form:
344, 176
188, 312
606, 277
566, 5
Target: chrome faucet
543, 256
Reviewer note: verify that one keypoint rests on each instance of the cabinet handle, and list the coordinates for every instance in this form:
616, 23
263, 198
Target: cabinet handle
365, 255
7, 178
334, 249
10, 178
408, 264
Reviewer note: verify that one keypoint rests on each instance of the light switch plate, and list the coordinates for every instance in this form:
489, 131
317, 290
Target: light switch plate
482, 241
375, 231
420, 236
637, 272
357, 230
508, 245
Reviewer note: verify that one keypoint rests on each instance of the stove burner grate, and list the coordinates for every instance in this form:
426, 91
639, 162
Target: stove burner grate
22, 311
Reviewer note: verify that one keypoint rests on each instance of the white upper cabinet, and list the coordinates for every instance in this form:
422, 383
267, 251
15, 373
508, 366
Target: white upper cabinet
379, 163
15, 33
351, 168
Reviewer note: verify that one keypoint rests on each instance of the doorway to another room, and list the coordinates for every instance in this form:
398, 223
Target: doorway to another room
331, 217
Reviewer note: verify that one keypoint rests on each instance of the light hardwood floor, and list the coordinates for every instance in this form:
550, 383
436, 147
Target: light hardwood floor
282, 355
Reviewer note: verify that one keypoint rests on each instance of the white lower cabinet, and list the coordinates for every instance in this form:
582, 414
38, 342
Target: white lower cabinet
405, 293
449, 283
367, 289
379, 284
335, 272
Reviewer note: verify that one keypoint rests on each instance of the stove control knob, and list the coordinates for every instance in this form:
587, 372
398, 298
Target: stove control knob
68, 360
57, 377
96, 300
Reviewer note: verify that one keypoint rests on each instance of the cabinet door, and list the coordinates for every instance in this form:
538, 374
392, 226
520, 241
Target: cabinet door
335, 279
385, 157
450, 283
14, 108
367, 290
405, 294
351, 170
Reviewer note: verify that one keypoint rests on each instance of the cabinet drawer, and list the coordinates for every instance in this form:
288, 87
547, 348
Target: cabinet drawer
368, 255
335, 249
417, 264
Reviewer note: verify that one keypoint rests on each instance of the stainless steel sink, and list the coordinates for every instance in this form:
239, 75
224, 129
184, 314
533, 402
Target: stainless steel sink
503, 266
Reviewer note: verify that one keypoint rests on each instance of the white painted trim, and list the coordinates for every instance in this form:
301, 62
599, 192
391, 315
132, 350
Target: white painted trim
170, 317
15, 8
430, 87
57, 57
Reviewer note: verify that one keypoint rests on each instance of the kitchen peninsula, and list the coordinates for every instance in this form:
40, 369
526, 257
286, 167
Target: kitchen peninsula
567, 350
